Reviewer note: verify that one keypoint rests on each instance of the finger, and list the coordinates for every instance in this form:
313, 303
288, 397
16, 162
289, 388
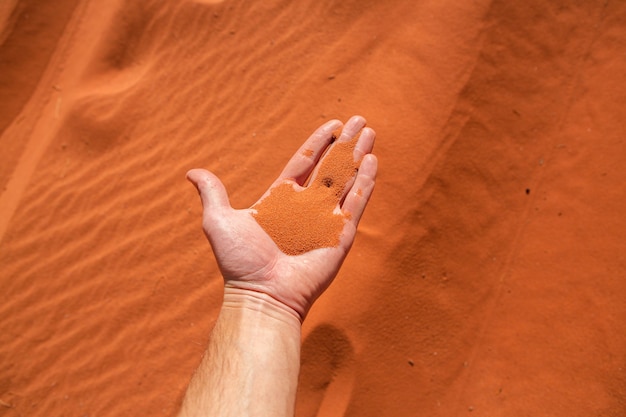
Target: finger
360, 193
365, 143
304, 160
212, 191
352, 129
363, 147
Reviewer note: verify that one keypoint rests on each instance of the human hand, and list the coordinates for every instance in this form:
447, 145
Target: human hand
250, 259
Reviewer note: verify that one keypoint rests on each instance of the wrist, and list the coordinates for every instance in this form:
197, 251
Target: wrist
259, 304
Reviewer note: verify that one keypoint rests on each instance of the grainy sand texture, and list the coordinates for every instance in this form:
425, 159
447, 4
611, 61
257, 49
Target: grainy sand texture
488, 277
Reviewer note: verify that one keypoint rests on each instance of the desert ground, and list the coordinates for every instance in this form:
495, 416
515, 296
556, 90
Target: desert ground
488, 277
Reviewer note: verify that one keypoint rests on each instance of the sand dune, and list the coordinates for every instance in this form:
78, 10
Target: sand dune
488, 274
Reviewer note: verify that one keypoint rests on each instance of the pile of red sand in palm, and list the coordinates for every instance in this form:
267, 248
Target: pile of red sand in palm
303, 220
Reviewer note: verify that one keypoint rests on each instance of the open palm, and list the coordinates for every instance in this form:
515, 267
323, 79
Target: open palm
248, 257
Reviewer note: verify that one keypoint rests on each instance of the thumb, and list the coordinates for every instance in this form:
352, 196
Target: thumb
212, 191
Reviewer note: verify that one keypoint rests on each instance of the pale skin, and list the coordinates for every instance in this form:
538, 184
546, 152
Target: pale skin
251, 365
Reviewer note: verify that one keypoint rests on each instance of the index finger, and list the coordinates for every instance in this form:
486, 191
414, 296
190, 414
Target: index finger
301, 164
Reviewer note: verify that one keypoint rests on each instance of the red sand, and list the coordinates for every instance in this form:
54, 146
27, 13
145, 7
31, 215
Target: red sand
488, 276
303, 220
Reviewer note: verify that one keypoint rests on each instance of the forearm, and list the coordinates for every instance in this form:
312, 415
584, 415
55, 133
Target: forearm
252, 362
